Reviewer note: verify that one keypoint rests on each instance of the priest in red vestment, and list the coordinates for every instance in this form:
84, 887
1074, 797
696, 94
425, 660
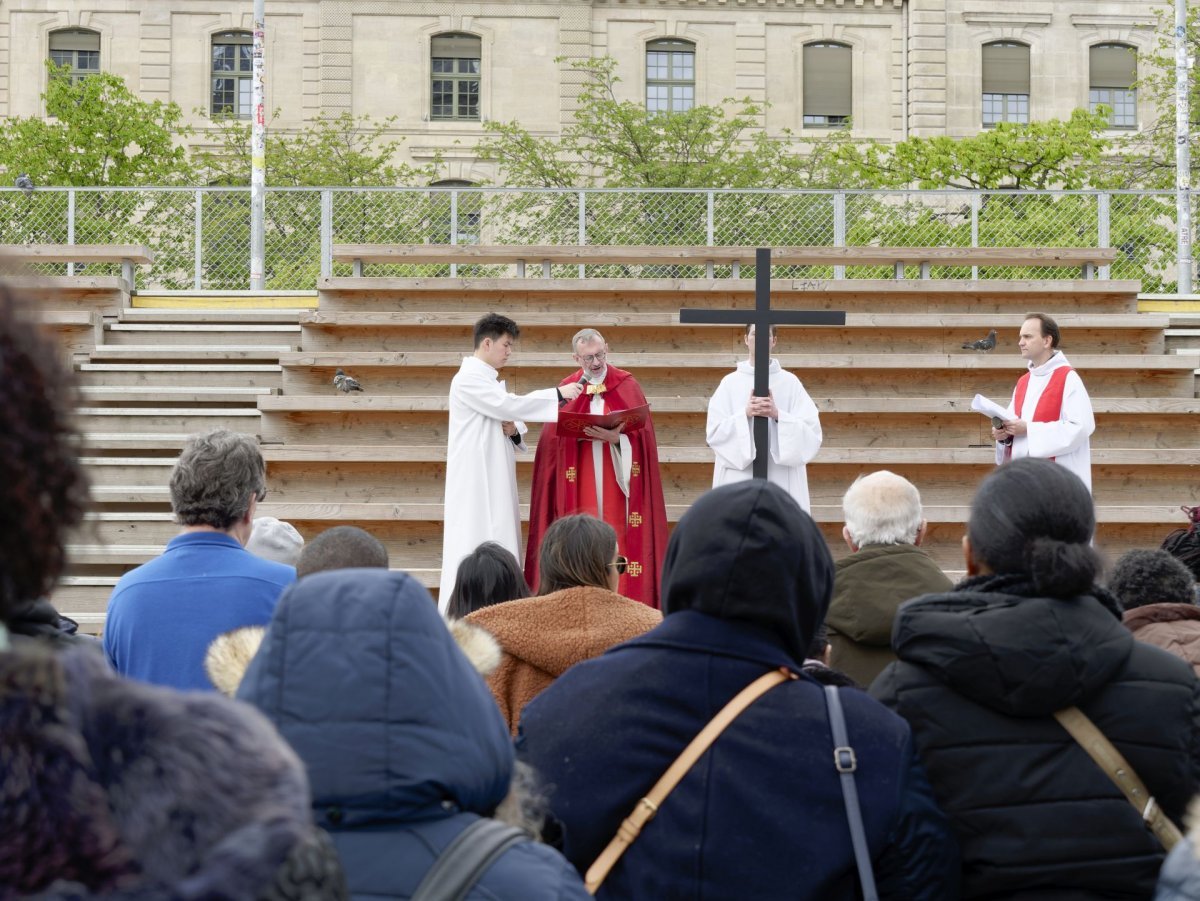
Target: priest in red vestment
611, 475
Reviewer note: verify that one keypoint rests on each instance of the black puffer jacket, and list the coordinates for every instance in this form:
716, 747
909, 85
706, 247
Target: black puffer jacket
981, 670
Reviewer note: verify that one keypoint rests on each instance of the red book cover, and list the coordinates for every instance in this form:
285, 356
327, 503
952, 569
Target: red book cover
575, 423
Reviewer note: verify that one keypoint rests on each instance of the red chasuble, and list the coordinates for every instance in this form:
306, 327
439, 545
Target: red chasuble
564, 482
1049, 405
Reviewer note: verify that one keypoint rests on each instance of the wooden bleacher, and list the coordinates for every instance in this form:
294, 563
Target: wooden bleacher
106, 294
893, 387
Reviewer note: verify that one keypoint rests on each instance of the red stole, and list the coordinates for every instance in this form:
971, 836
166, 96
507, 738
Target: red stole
1049, 405
564, 482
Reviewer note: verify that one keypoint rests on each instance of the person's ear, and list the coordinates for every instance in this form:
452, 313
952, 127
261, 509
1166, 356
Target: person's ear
846, 538
922, 529
969, 557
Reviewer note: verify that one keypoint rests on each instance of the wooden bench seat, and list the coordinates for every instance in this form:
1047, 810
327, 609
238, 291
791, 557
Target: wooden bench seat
212, 375
172, 353
648, 332
1084, 258
165, 421
76, 331
128, 470
169, 394
131, 494
690, 374
209, 316
596, 297
167, 334
128, 255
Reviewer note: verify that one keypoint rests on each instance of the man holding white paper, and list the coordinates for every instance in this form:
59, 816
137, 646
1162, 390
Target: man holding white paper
1050, 414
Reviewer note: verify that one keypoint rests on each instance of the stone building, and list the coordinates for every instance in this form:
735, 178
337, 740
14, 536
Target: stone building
893, 68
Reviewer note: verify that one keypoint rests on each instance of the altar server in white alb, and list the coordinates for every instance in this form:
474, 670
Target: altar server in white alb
1051, 413
486, 429
793, 426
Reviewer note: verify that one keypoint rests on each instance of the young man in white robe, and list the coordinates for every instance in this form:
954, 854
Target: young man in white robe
793, 426
1050, 411
486, 430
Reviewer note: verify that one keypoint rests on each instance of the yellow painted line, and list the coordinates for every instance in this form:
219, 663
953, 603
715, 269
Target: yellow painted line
219, 302
1169, 306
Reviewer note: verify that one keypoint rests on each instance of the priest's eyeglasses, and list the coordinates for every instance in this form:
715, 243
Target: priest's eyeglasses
595, 358
621, 563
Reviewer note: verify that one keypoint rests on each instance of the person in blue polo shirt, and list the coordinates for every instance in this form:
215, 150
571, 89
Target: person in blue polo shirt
163, 615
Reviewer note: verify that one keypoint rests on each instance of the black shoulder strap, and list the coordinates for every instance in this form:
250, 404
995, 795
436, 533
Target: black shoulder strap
466, 859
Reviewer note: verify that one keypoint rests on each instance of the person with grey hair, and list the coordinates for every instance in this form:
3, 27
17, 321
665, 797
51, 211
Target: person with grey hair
609, 473
886, 567
163, 615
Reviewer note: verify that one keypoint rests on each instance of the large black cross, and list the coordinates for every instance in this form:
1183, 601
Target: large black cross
762, 318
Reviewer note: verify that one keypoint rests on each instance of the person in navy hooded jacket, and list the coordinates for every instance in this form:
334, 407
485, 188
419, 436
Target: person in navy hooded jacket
403, 743
746, 583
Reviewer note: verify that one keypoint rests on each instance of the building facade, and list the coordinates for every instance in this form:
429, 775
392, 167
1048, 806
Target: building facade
888, 69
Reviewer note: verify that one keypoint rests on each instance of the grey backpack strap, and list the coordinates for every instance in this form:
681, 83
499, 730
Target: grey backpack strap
846, 763
466, 859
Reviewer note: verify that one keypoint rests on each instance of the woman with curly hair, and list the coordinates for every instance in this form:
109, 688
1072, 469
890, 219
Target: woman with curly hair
44, 491
110, 788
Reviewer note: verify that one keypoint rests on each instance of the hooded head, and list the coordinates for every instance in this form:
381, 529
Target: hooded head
747, 552
362, 677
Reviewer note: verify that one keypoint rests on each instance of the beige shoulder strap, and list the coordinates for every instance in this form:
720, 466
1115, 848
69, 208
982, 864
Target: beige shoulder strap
646, 808
1117, 768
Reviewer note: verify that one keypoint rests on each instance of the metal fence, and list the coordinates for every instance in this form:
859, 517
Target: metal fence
201, 236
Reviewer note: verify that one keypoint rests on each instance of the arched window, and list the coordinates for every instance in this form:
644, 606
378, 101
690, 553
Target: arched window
455, 71
232, 69
826, 85
1005, 82
670, 76
78, 49
1112, 72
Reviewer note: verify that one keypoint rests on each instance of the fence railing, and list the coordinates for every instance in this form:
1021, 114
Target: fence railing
201, 236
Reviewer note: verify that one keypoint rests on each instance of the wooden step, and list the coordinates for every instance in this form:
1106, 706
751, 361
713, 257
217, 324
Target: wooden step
169, 394
183, 335
649, 332
181, 375
209, 316
131, 494
165, 420
684, 374
134, 471
182, 352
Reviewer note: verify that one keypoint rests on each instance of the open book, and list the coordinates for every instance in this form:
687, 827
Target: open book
575, 423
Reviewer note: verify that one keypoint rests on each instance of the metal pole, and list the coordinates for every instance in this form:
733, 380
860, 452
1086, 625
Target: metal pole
1183, 210
839, 229
1103, 224
582, 233
326, 233
258, 153
71, 226
198, 271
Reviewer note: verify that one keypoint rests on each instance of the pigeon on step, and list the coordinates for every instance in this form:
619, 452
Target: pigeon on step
983, 345
345, 383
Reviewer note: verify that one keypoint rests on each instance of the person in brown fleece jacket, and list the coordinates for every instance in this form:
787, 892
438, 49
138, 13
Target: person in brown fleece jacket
575, 616
1156, 592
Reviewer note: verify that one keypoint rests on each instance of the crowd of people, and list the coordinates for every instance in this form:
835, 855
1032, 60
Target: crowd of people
269, 717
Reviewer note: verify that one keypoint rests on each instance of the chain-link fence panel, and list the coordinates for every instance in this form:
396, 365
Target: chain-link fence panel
291, 240
1142, 229
1012, 219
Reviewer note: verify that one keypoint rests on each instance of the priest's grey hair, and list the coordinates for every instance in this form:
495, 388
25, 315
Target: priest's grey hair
882, 508
585, 335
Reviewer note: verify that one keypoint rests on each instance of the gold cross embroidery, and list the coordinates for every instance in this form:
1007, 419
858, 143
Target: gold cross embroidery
596, 389
635, 519
635, 469
570, 474
635, 568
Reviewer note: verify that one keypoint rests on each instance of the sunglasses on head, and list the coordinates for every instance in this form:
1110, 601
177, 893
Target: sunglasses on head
621, 563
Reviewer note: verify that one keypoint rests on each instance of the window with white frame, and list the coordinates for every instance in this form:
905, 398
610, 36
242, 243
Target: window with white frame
670, 76
1112, 73
1005, 82
232, 72
78, 49
826, 84
455, 71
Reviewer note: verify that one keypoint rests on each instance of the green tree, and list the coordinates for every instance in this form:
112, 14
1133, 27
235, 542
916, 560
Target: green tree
1053, 153
619, 143
97, 132
1148, 155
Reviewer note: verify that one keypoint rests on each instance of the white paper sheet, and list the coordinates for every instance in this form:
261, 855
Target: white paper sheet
989, 408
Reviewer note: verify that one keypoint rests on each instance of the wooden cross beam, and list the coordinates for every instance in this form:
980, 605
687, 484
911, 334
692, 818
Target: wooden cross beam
762, 318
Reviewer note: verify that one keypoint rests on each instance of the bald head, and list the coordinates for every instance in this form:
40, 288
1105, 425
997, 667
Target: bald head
882, 508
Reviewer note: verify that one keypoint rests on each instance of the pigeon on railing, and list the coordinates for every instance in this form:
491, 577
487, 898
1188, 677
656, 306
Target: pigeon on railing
983, 345
25, 183
345, 383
